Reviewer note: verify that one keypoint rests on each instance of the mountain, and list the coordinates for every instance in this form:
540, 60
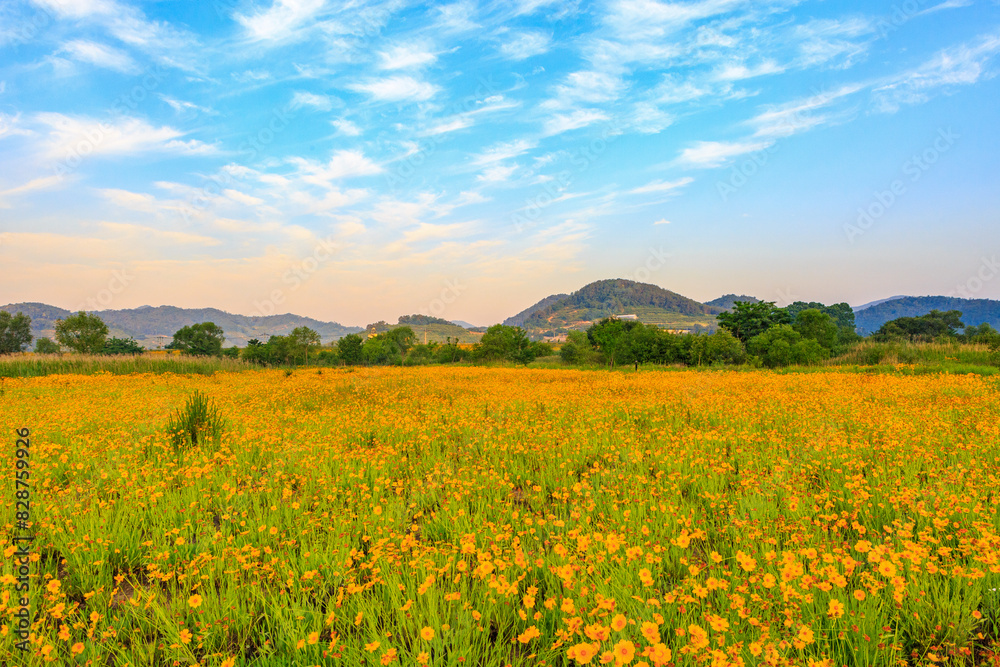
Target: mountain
156, 326
464, 324
875, 303
648, 303
974, 311
519, 319
428, 329
727, 301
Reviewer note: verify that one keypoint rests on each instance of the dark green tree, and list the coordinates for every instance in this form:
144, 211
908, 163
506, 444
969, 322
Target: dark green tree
83, 332
349, 347
402, 339
934, 324
611, 336
204, 339
816, 325
15, 332
505, 343
303, 340
747, 320
46, 346
116, 346
782, 345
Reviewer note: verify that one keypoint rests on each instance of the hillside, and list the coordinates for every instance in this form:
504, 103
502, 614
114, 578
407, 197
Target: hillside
649, 303
519, 319
155, 326
974, 311
726, 301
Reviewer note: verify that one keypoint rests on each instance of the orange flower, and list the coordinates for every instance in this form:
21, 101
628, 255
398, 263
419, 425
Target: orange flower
427, 634
618, 623
624, 651
77, 648
582, 653
194, 601
836, 609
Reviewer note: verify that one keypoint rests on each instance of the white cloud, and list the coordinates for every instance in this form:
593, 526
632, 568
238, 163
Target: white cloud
841, 41
960, 65
281, 20
397, 89
405, 56
34, 185
497, 173
180, 106
66, 135
457, 123
559, 123
301, 99
77, 8
787, 119
707, 154
100, 55
586, 86
346, 127
523, 45
242, 198
659, 187
947, 4
342, 164
134, 201
183, 238
503, 151
662, 221
739, 71
456, 17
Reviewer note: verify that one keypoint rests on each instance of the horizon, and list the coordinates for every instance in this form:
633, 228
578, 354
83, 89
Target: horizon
355, 164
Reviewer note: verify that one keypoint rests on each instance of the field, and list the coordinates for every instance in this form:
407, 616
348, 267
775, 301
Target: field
478, 516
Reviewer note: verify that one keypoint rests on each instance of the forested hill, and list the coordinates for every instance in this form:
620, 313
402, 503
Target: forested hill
728, 300
974, 311
519, 319
649, 303
146, 323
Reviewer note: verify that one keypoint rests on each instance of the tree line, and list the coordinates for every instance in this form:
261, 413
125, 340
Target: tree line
758, 333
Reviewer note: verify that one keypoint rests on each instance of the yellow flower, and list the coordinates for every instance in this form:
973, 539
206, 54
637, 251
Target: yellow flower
624, 652
427, 634
618, 623
582, 653
836, 609
699, 637
423, 658
651, 632
185, 636
313, 638
887, 569
228, 662
194, 601
372, 647
77, 648
805, 634
529, 634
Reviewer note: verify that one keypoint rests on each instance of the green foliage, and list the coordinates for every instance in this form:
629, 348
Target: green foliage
816, 325
203, 339
122, 346
450, 352
935, 324
577, 350
301, 342
782, 345
841, 313
46, 346
231, 352
748, 320
505, 343
83, 332
421, 320
983, 334
15, 332
198, 422
721, 347
350, 349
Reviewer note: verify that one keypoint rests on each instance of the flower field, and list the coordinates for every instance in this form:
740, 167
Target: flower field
477, 516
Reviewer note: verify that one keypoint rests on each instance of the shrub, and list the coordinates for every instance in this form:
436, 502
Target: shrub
196, 423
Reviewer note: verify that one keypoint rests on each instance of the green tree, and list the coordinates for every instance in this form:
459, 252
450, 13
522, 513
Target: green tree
401, 339
46, 346
577, 349
814, 324
747, 320
720, 347
15, 332
611, 337
934, 324
506, 343
349, 347
204, 339
83, 332
782, 345
115, 346
303, 340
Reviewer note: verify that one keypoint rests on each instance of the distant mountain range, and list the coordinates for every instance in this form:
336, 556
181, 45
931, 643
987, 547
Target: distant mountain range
870, 317
154, 327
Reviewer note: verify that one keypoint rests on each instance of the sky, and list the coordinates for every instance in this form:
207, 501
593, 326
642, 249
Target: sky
357, 161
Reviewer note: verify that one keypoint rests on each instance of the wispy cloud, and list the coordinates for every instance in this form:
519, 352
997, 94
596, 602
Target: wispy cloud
302, 99
960, 65
281, 21
661, 187
564, 122
707, 154
397, 89
524, 45
503, 151
406, 56
497, 173
346, 127
65, 134
342, 164
100, 55
34, 185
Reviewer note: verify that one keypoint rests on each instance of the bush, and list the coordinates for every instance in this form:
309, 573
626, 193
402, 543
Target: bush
196, 423
122, 346
46, 346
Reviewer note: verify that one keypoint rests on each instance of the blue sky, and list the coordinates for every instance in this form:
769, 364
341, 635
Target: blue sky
356, 161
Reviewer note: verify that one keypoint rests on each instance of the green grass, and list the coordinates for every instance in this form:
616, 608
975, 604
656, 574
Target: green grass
21, 366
